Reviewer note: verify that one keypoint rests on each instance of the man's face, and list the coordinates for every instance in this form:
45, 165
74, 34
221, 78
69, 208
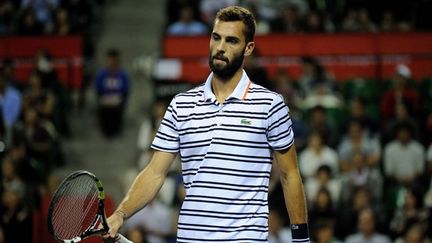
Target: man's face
228, 48
366, 222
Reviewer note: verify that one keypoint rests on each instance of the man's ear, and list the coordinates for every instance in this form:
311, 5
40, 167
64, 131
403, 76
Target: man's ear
249, 48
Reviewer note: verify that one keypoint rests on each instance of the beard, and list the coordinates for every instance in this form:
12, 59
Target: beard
231, 67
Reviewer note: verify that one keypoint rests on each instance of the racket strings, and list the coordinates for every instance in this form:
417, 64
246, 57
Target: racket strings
76, 209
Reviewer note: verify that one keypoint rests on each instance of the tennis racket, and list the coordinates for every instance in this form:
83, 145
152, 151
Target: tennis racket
77, 209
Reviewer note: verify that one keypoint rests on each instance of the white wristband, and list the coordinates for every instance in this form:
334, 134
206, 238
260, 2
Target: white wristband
122, 239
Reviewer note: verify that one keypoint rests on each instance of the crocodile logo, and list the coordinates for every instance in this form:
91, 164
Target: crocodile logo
246, 122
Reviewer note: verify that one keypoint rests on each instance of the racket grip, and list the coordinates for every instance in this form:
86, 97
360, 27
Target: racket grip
122, 239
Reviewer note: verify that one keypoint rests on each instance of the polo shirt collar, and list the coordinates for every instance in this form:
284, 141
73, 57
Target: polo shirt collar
239, 92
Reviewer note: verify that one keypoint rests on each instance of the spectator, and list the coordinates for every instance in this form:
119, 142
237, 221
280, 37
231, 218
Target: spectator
148, 130
28, 169
318, 122
317, 154
62, 25
365, 24
415, 234
323, 180
34, 94
28, 24
11, 180
59, 100
287, 87
262, 25
349, 21
45, 69
399, 92
324, 233
357, 142
80, 14
318, 86
16, 218
315, 76
357, 110
409, 214
350, 211
366, 230
187, 25
322, 209
43, 10
288, 20
112, 88
82, 20
388, 23
11, 105
7, 15
404, 157
403, 113
316, 22
38, 136
362, 175
358, 20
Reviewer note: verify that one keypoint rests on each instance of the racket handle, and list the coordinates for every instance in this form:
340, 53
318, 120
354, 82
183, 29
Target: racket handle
123, 239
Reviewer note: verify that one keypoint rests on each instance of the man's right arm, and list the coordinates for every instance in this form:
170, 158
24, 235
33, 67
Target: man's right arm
144, 188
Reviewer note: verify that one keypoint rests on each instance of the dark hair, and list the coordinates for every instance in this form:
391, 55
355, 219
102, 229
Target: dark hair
236, 13
113, 53
404, 126
325, 168
356, 121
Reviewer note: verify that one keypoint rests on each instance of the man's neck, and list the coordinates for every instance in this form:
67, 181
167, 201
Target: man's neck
224, 88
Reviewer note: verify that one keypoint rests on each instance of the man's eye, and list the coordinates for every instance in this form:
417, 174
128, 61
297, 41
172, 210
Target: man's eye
232, 41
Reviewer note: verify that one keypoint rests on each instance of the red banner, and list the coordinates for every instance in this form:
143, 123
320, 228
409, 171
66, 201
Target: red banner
345, 55
66, 55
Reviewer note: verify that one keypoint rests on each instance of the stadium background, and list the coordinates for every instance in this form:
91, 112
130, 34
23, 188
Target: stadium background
335, 53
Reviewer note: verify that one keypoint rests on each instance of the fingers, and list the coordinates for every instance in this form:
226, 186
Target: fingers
115, 221
107, 239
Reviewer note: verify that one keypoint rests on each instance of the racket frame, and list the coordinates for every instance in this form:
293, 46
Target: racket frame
100, 215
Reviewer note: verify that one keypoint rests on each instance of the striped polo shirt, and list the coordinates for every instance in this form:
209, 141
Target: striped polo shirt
226, 154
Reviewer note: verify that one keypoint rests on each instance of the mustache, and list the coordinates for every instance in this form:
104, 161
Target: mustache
220, 56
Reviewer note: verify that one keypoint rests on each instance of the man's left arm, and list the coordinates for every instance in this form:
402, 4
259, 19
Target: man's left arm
295, 201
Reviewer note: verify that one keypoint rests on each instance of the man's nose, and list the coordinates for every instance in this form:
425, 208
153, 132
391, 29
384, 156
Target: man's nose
221, 46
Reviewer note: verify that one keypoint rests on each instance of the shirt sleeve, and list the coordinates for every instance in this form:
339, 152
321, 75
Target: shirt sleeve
167, 136
280, 134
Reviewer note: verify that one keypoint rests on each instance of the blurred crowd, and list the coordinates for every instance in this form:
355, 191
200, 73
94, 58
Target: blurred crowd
195, 17
33, 123
35, 112
52, 18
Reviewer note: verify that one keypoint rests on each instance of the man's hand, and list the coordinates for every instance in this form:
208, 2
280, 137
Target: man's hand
115, 221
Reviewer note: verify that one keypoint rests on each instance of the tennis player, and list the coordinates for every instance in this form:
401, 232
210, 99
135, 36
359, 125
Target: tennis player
227, 132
